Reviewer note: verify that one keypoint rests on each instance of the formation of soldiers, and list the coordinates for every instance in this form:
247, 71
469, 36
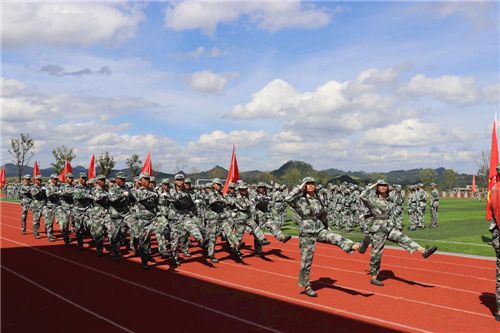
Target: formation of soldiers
346, 210
175, 213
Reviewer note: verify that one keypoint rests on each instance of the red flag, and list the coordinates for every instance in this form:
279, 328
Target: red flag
91, 170
36, 170
147, 167
2, 177
474, 189
234, 175
67, 169
492, 178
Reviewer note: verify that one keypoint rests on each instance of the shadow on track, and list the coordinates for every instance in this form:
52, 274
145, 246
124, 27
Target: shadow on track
389, 275
326, 282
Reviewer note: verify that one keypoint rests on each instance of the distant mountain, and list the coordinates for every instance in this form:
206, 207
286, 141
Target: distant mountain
290, 173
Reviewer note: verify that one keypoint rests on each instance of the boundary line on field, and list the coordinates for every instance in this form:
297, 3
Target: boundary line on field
81, 307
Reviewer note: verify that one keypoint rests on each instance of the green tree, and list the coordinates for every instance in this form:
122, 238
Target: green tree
374, 176
134, 163
427, 176
266, 177
106, 163
450, 178
292, 177
22, 151
483, 169
61, 155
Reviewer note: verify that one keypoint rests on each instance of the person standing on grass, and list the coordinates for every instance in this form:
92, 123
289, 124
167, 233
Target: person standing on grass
26, 198
304, 199
376, 200
434, 205
495, 242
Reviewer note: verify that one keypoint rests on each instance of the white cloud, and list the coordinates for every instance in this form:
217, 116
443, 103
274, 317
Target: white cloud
411, 132
209, 82
224, 140
271, 16
81, 24
448, 88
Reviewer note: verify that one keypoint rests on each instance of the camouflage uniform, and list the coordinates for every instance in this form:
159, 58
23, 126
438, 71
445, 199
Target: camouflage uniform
381, 229
412, 208
64, 211
312, 229
245, 218
26, 198
99, 217
146, 210
162, 225
37, 206
278, 208
217, 218
422, 203
339, 203
396, 197
434, 203
119, 199
82, 209
53, 203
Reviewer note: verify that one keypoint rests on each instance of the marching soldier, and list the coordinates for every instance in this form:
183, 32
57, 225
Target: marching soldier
26, 198
64, 211
82, 208
99, 213
38, 204
53, 203
434, 203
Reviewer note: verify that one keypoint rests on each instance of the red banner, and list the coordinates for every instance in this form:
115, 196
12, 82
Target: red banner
493, 175
91, 171
234, 175
147, 168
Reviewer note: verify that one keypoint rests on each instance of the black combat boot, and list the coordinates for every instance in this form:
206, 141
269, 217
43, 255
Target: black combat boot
377, 282
310, 292
429, 251
364, 244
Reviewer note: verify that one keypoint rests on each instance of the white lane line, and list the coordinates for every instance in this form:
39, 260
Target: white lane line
223, 282
156, 291
109, 321
361, 261
366, 291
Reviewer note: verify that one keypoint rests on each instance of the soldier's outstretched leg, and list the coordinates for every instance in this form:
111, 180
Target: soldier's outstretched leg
345, 244
276, 231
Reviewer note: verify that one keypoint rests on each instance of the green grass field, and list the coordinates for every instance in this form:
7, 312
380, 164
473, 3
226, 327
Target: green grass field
462, 228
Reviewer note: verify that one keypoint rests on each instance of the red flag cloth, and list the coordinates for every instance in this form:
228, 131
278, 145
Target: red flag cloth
2, 177
67, 169
91, 170
36, 170
494, 204
147, 167
474, 188
493, 176
234, 175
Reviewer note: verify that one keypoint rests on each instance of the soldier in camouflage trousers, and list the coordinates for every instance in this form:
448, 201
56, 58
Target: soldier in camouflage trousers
99, 217
82, 208
119, 199
53, 203
217, 217
397, 199
434, 203
146, 210
245, 212
162, 225
278, 207
412, 208
64, 211
26, 198
38, 204
375, 198
313, 227
422, 204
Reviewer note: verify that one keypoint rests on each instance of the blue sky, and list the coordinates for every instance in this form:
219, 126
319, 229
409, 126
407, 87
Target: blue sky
372, 86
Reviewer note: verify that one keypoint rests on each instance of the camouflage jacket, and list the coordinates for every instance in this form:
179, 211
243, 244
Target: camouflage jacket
100, 197
38, 195
164, 203
25, 194
53, 195
182, 204
146, 203
278, 201
66, 195
245, 207
216, 205
378, 206
82, 197
422, 198
120, 200
262, 202
434, 198
311, 210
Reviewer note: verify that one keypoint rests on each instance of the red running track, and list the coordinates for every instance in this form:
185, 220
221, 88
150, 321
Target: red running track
49, 287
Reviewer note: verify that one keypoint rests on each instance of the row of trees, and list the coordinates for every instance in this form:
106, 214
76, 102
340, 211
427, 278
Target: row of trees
22, 151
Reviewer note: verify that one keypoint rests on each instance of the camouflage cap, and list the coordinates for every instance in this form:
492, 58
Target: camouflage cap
208, 185
242, 186
382, 182
39, 177
136, 179
179, 176
54, 175
152, 179
121, 175
91, 181
261, 184
433, 184
216, 181
397, 187
165, 181
26, 176
283, 187
421, 184
276, 185
187, 180
144, 175
69, 175
100, 177
232, 185
83, 175
309, 180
